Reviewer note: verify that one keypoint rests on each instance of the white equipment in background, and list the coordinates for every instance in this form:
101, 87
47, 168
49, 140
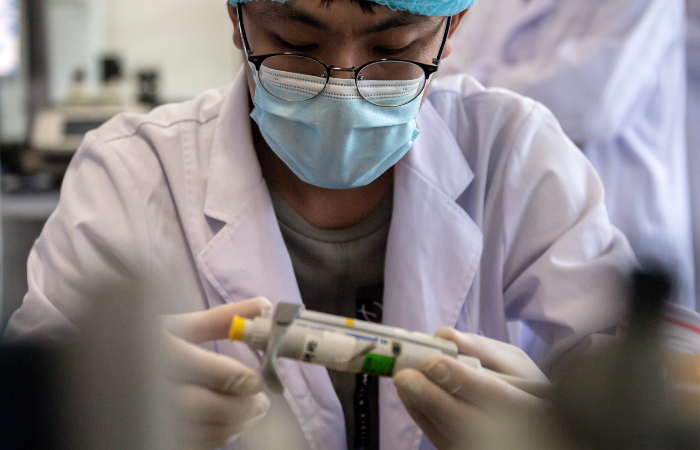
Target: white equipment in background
58, 132
61, 130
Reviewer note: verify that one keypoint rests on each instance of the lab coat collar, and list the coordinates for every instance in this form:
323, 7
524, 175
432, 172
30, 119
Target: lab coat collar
433, 253
436, 155
234, 170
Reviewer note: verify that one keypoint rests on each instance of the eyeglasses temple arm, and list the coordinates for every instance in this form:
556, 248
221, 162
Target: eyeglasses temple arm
246, 46
436, 61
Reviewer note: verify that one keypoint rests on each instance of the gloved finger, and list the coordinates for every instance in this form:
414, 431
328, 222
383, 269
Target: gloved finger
210, 436
200, 405
215, 323
495, 355
438, 439
446, 420
192, 364
477, 388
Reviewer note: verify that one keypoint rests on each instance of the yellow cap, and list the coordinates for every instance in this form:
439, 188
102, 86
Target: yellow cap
237, 328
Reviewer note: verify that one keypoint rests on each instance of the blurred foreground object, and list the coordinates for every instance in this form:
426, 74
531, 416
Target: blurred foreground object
628, 395
97, 390
30, 397
637, 390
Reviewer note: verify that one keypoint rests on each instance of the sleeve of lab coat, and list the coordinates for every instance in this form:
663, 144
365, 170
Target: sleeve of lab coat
591, 79
565, 265
96, 239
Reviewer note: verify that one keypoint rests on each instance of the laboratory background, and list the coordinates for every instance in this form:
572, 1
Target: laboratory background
622, 77
68, 66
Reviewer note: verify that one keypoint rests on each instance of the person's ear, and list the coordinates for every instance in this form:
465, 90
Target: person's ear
456, 20
233, 14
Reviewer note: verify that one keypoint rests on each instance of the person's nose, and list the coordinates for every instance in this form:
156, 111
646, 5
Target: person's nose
338, 72
343, 64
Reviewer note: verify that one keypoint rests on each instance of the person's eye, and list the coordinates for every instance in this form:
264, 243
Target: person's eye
392, 51
288, 46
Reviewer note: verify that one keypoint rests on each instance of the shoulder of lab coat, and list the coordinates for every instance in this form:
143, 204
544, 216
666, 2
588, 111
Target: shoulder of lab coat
115, 203
550, 251
586, 60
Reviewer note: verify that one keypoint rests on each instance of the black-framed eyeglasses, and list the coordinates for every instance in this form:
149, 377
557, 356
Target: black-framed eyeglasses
384, 82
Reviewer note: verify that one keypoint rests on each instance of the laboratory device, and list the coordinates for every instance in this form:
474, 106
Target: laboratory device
58, 132
62, 129
349, 345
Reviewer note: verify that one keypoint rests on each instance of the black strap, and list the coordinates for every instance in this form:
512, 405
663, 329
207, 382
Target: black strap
366, 398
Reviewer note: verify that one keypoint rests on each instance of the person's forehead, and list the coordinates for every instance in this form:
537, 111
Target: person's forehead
327, 16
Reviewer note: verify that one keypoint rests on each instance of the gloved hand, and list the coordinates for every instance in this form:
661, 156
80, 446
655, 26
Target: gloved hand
216, 398
452, 403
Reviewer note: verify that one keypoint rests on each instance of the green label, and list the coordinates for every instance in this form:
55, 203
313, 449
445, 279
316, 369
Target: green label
379, 365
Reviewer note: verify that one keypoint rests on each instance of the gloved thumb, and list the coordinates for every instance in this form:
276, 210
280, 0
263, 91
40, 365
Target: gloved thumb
215, 323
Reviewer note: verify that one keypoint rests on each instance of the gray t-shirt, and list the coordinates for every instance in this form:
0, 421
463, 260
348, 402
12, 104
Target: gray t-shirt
339, 271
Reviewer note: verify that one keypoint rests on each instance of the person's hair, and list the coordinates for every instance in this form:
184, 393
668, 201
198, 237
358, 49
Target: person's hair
366, 5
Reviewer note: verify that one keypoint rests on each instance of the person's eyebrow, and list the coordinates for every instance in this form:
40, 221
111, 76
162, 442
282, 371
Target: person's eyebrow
285, 11
400, 19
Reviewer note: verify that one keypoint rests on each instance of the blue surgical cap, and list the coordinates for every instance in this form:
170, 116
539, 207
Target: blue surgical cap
422, 7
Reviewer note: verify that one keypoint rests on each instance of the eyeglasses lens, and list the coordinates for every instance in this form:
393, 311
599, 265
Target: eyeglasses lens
311, 77
384, 83
391, 83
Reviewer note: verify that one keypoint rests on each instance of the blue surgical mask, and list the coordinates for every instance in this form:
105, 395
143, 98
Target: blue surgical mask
336, 140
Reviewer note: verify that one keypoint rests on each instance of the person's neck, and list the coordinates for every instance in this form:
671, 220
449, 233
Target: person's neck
327, 209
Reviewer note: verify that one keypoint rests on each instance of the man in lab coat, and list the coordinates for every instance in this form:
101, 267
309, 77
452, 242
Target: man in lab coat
613, 74
308, 179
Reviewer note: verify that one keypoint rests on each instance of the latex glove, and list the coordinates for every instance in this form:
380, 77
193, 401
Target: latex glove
216, 398
453, 403
495, 355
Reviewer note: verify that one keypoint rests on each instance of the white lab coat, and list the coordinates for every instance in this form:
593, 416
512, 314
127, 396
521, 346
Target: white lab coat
496, 216
693, 122
613, 74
